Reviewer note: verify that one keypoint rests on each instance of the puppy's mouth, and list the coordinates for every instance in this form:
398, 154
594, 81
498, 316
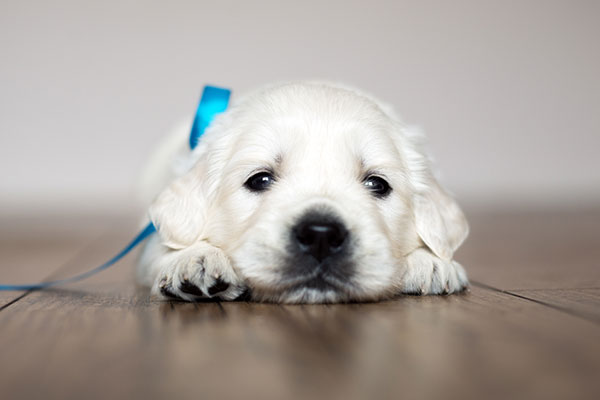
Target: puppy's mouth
318, 281
321, 284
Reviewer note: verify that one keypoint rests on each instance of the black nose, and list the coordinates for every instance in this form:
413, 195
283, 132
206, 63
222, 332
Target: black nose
320, 239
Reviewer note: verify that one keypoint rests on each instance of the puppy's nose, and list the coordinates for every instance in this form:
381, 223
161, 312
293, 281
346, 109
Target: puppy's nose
320, 239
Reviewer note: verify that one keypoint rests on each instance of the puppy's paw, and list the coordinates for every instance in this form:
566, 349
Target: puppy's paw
195, 273
428, 274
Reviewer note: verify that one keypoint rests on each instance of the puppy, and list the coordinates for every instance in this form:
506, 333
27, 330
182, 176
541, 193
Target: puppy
301, 193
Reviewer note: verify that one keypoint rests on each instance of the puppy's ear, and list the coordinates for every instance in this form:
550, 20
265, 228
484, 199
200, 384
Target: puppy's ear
179, 211
440, 223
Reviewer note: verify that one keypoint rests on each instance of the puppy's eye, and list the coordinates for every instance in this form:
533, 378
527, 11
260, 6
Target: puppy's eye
377, 186
259, 182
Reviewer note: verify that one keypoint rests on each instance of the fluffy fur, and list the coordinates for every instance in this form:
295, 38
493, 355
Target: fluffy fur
218, 239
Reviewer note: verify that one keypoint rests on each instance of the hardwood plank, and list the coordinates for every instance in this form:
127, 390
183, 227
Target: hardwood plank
105, 338
33, 248
534, 250
57, 247
116, 343
585, 301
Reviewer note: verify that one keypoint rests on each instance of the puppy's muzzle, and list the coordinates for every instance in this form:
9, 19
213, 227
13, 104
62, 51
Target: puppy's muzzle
320, 239
320, 255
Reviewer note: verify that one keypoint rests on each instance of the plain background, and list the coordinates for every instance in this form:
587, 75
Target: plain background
507, 91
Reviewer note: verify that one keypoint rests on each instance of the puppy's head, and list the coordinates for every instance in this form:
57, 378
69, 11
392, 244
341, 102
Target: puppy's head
316, 193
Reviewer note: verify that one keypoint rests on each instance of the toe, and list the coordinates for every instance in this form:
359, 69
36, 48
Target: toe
218, 286
167, 291
189, 288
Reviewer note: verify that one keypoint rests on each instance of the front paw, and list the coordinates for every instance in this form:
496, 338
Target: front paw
428, 274
195, 273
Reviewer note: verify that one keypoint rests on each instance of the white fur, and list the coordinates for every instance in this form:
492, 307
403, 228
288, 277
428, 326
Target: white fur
320, 140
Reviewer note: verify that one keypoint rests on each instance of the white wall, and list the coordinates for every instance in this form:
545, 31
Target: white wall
508, 91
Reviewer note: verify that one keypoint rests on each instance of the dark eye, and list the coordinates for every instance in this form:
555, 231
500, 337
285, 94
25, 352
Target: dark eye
259, 182
377, 186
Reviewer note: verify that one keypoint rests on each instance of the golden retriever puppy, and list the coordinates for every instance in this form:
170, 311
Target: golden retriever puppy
301, 193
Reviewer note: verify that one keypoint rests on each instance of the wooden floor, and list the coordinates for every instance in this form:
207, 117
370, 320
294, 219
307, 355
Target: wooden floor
529, 328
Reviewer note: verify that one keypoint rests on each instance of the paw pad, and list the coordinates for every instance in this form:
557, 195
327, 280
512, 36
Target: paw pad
218, 287
165, 290
188, 287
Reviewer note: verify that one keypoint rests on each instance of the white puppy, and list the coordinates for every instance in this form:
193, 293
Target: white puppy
302, 193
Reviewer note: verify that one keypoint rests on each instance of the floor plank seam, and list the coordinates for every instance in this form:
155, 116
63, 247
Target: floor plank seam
583, 315
13, 301
67, 264
553, 289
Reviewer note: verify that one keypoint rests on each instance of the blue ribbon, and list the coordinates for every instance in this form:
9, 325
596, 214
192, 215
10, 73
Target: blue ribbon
147, 231
214, 100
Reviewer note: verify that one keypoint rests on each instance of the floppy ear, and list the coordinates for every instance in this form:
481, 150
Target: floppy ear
440, 222
179, 211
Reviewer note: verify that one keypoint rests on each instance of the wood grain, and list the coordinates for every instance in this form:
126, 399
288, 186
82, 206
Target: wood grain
534, 250
584, 302
106, 338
